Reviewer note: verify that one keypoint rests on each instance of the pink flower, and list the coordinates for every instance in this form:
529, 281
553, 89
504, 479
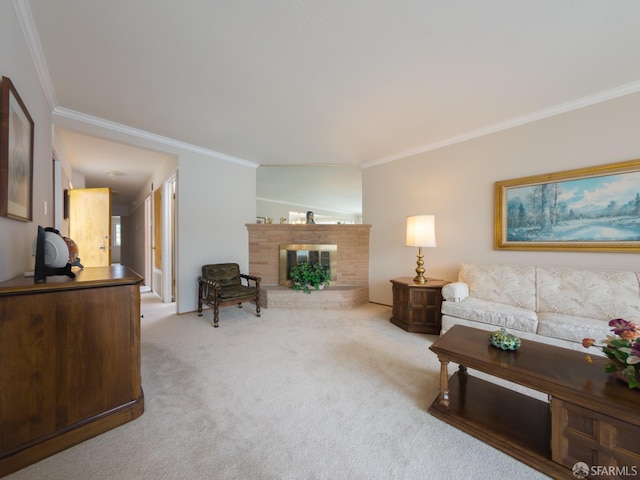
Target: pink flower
622, 349
634, 356
624, 328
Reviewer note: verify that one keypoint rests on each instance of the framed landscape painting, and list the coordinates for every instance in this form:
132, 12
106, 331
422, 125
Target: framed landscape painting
588, 209
16, 155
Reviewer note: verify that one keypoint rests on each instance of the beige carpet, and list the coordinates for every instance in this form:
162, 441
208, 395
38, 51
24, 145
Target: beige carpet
295, 394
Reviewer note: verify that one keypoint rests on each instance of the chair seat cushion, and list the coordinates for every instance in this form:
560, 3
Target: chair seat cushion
232, 292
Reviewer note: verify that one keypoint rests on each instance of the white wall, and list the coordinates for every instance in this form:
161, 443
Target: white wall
456, 184
133, 251
16, 237
216, 199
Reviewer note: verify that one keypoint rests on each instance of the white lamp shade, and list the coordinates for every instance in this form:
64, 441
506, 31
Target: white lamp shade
421, 231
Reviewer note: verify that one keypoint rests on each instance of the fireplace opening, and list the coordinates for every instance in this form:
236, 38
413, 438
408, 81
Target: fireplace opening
294, 254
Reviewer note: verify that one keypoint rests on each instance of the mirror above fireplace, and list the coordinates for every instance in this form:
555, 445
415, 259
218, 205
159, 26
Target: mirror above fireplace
333, 193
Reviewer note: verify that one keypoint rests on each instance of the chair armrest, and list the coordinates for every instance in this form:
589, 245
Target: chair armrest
209, 282
251, 277
204, 284
455, 292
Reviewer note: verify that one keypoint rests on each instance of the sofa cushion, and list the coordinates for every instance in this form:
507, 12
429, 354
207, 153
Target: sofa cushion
569, 327
493, 313
513, 285
589, 293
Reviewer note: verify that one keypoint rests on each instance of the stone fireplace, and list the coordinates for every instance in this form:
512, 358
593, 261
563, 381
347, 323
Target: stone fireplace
349, 264
294, 254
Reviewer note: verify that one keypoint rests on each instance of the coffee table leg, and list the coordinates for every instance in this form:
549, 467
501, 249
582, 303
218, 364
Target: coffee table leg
443, 398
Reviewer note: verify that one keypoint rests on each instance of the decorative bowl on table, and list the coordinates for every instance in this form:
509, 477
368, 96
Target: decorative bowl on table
504, 340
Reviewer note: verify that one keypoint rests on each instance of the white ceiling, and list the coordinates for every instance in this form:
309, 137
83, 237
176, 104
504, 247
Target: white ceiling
290, 82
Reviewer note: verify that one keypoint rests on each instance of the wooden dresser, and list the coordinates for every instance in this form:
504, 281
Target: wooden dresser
69, 361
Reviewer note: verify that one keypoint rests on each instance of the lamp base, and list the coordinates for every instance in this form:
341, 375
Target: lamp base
419, 278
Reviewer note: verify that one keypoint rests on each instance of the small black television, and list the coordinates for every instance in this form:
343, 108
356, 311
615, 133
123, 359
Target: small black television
58, 256
40, 269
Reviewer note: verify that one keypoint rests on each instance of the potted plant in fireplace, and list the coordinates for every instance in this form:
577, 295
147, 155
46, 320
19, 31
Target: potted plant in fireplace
305, 276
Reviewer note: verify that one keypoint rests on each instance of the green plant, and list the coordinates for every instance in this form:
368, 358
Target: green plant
622, 349
306, 276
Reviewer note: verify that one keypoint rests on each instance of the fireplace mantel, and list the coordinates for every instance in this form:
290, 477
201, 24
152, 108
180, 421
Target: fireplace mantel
352, 257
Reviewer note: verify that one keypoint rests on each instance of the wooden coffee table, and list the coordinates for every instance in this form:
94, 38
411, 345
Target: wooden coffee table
591, 417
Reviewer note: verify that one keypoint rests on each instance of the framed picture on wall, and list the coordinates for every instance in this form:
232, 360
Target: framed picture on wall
16, 155
588, 209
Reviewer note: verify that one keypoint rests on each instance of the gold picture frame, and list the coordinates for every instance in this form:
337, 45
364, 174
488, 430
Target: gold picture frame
588, 209
16, 155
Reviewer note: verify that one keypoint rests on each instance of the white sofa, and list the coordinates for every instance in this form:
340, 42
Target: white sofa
558, 306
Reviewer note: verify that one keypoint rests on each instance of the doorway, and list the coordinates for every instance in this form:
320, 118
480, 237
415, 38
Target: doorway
160, 240
116, 239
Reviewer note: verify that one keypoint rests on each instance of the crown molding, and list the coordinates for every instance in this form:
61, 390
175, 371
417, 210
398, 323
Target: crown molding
23, 12
67, 114
610, 94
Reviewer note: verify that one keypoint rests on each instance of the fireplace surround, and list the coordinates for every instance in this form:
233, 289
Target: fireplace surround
351, 284
294, 254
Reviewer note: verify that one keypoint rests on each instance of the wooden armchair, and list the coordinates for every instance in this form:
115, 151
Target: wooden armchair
221, 284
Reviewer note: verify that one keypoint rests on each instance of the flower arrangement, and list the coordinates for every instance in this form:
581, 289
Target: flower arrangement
623, 350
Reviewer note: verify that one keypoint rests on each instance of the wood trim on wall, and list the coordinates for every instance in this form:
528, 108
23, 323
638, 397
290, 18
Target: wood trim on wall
157, 228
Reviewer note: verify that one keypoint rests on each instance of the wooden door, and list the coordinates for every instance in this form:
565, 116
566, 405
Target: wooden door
90, 225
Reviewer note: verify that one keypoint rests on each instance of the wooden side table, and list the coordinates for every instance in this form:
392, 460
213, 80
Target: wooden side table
416, 307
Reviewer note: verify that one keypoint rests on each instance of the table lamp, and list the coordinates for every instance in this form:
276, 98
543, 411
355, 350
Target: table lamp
421, 232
